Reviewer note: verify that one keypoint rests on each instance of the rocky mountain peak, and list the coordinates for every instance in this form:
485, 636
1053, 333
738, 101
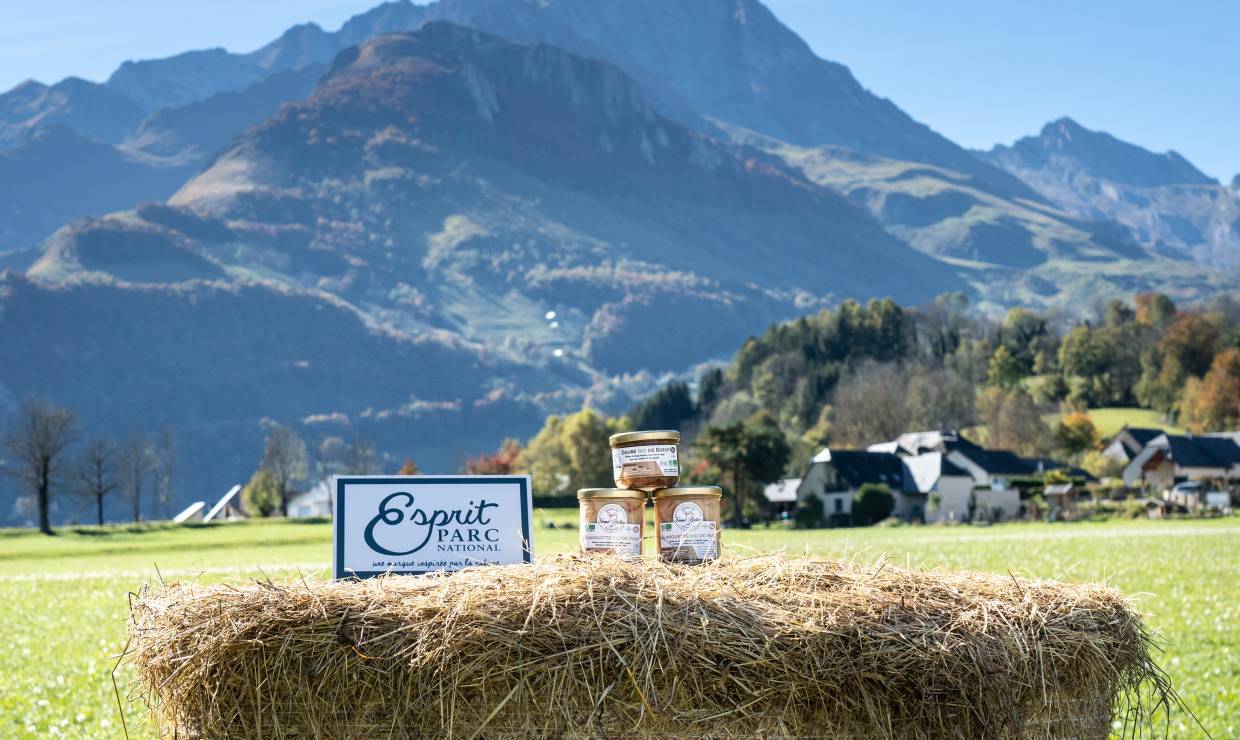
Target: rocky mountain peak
1067, 145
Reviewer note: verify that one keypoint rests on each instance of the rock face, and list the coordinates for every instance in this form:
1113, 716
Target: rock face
1162, 200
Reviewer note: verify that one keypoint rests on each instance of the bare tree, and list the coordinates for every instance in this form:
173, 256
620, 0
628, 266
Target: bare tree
38, 440
361, 458
329, 457
136, 466
164, 459
96, 473
285, 458
868, 406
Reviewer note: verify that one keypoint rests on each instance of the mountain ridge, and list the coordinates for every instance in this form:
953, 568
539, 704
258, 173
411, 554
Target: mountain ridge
1162, 200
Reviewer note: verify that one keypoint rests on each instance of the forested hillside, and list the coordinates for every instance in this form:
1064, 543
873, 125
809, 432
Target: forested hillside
860, 374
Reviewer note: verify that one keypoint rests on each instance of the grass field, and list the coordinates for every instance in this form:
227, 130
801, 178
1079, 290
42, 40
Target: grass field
63, 599
1110, 420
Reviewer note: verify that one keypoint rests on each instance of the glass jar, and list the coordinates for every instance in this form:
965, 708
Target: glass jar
612, 520
645, 460
687, 523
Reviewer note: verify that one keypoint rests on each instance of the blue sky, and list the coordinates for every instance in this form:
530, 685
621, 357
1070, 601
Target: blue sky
1162, 75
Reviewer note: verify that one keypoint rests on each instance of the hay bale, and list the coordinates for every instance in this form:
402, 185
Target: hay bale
594, 646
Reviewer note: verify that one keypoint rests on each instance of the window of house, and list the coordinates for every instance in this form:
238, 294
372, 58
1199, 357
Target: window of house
839, 504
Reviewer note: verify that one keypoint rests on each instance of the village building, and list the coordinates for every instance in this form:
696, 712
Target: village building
227, 508
948, 488
834, 476
1174, 458
993, 496
1061, 498
1129, 441
782, 496
315, 503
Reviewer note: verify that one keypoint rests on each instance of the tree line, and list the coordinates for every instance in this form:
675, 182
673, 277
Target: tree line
54, 464
859, 374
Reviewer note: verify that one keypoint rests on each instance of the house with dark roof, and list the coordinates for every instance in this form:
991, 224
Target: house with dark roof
1129, 441
948, 488
1174, 458
834, 476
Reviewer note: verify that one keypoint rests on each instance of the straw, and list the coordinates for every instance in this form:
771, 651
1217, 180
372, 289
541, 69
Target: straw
594, 646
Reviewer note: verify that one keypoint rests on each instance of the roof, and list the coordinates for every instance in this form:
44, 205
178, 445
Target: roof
190, 511
858, 467
1002, 462
915, 443
1141, 435
1058, 489
782, 491
925, 470
1189, 451
223, 502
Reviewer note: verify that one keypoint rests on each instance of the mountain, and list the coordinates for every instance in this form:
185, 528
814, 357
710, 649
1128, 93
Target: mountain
184, 78
382, 256
1068, 145
725, 67
92, 110
129, 356
482, 172
1162, 200
699, 61
194, 132
55, 175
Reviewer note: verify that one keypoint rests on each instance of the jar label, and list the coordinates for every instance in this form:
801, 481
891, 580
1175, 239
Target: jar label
611, 530
689, 536
644, 460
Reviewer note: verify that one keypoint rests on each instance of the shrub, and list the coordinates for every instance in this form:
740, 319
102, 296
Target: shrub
261, 496
809, 513
872, 503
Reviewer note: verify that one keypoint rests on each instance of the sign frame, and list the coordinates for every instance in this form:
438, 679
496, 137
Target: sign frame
339, 486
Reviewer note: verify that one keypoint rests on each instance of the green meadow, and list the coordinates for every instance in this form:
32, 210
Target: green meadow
64, 599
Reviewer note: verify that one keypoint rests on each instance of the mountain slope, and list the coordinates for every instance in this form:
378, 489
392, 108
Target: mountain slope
493, 164
194, 132
1162, 200
1066, 143
184, 78
302, 357
92, 110
382, 257
56, 175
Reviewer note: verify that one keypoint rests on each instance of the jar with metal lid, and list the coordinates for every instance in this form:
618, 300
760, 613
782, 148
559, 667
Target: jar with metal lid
612, 520
687, 523
645, 460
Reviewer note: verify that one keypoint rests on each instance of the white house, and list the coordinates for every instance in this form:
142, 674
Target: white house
317, 502
1172, 458
835, 475
782, 494
947, 487
991, 495
1129, 441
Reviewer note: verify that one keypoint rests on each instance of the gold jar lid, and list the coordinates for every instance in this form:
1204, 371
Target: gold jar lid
586, 493
682, 491
664, 435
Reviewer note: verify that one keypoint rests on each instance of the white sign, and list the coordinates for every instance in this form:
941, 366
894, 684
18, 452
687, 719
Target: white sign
421, 524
